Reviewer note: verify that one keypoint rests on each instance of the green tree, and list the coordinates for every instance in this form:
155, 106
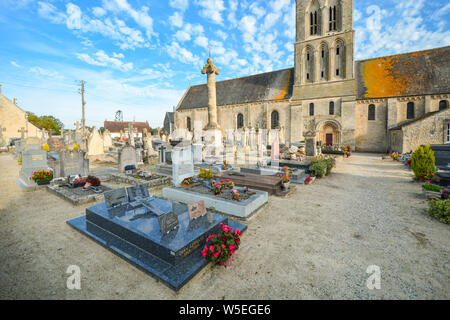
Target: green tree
46, 122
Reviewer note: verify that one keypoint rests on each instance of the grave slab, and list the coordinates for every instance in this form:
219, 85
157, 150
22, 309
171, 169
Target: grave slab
242, 210
270, 184
173, 258
78, 196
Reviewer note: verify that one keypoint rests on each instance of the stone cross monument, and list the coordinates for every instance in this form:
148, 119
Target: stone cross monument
211, 70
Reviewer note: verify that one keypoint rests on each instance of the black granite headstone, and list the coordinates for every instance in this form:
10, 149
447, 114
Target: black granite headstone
168, 222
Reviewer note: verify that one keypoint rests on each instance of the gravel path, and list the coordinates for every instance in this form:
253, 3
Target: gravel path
316, 244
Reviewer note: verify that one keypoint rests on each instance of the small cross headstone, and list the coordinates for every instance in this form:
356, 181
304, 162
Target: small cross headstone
22, 133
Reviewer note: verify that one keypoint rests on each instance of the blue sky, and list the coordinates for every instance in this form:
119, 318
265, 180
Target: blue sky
139, 56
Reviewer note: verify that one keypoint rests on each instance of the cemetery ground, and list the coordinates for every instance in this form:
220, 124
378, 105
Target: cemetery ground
315, 244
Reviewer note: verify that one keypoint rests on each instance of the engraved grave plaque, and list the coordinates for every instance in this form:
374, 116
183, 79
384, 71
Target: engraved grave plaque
137, 193
196, 210
116, 197
168, 222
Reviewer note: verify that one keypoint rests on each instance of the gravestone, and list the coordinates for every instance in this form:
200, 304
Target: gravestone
275, 152
162, 153
182, 163
107, 140
32, 160
95, 144
70, 163
148, 240
127, 157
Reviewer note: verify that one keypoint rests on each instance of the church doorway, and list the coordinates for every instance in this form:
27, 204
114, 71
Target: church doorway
329, 134
329, 139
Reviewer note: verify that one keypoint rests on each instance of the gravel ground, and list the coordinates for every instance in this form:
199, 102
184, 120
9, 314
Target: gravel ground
315, 244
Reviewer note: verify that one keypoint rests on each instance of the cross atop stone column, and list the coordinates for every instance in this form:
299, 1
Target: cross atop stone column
211, 70
22, 132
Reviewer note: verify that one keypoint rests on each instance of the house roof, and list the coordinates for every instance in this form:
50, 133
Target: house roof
275, 85
409, 74
117, 126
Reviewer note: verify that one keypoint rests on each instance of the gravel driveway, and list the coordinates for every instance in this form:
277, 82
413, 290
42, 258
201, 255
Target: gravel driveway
316, 244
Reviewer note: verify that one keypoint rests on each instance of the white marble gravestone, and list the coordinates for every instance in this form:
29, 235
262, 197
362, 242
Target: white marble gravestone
182, 163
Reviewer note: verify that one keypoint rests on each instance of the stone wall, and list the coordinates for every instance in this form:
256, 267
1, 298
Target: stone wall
431, 130
13, 119
371, 135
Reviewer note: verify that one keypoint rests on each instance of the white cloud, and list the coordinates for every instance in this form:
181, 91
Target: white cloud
201, 41
46, 73
179, 4
176, 19
175, 51
15, 64
98, 12
211, 10
73, 16
102, 59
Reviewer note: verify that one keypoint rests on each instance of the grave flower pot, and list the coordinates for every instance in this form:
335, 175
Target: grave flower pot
227, 263
43, 182
285, 185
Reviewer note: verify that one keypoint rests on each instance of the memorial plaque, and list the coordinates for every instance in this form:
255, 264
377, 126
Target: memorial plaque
196, 210
116, 197
168, 222
137, 193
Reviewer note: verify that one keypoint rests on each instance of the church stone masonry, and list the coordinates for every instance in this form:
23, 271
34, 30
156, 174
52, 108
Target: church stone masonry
371, 105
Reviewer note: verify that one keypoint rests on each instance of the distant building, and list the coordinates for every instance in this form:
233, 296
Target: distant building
12, 120
115, 127
169, 122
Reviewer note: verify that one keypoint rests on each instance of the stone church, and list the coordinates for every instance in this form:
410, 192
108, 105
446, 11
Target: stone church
391, 103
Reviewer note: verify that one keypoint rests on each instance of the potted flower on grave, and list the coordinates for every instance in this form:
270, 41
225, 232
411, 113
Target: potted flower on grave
225, 165
221, 247
187, 182
79, 182
348, 151
308, 180
285, 180
217, 187
42, 177
236, 195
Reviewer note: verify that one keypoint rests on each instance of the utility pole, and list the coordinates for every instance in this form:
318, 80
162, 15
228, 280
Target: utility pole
83, 118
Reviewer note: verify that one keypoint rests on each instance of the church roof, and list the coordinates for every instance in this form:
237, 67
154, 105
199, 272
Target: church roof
275, 85
409, 74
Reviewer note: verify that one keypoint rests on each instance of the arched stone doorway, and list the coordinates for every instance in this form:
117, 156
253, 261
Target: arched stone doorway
329, 133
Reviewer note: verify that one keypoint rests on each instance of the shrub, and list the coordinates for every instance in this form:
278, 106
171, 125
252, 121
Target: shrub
440, 209
319, 168
431, 187
422, 163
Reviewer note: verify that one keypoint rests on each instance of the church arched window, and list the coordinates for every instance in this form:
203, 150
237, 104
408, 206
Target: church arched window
324, 61
315, 19
188, 123
331, 108
240, 121
443, 105
309, 65
372, 112
340, 59
410, 112
311, 109
275, 120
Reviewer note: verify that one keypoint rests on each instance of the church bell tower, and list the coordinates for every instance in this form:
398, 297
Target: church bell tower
324, 48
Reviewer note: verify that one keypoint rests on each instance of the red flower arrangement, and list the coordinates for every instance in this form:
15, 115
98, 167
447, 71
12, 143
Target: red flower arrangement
42, 175
187, 182
221, 247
